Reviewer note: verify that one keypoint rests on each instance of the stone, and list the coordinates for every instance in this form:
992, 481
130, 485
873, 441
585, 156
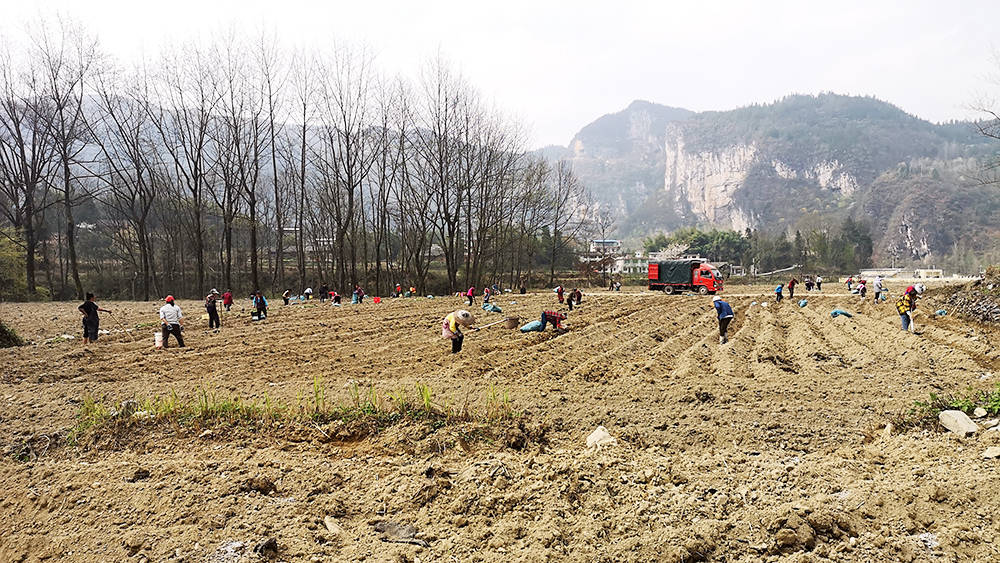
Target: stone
600, 438
990, 423
980, 412
957, 422
991, 452
262, 485
332, 526
267, 548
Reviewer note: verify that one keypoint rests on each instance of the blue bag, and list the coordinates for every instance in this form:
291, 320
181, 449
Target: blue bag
533, 326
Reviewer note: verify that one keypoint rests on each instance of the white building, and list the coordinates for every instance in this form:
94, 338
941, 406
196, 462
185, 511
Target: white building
605, 246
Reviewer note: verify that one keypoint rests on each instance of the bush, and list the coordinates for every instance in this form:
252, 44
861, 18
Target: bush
9, 338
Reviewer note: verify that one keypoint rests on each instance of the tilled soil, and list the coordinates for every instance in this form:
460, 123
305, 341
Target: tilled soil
770, 447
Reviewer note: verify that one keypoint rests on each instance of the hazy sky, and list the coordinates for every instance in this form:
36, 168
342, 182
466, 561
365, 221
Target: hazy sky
560, 65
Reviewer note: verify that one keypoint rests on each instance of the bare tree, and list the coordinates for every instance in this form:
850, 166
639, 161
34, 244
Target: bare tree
67, 56
180, 105
567, 209
27, 155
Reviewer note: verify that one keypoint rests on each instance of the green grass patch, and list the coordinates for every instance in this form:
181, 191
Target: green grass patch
365, 412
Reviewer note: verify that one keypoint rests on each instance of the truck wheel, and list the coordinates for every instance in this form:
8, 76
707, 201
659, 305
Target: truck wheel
668, 289
703, 290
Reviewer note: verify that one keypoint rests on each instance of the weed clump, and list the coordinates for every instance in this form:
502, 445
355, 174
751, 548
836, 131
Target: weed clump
924, 414
8, 337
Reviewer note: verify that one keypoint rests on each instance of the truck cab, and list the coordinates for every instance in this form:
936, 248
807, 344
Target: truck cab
707, 277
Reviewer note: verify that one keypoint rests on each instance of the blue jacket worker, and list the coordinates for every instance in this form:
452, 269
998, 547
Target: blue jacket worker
725, 313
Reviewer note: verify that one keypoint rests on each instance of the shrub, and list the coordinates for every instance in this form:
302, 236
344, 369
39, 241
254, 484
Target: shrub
9, 338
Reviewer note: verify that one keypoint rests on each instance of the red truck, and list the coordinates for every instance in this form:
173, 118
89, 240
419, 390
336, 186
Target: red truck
692, 274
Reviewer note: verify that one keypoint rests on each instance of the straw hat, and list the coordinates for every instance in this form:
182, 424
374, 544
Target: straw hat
464, 318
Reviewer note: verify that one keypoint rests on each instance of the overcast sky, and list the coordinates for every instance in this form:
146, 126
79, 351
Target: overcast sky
559, 65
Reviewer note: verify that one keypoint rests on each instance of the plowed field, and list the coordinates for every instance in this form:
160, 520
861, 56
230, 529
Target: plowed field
769, 447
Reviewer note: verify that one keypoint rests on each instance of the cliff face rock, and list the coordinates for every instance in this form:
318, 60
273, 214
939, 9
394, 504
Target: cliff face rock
702, 185
619, 156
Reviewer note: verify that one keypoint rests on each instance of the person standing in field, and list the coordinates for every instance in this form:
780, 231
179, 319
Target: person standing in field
324, 292
227, 299
906, 305
863, 288
559, 293
850, 283
809, 283
879, 288
791, 287
570, 298
578, 296
308, 292
778, 293
172, 321
212, 307
286, 296
260, 304
819, 283
471, 294
451, 328
91, 320
360, 292
725, 313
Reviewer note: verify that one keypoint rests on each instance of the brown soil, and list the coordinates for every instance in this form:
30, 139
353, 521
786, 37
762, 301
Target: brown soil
767, 448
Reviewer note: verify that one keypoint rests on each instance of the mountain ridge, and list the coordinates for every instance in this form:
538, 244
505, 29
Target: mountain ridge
801, 162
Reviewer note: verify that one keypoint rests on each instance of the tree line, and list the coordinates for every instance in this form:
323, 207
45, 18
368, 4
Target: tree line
242, 164
847, 248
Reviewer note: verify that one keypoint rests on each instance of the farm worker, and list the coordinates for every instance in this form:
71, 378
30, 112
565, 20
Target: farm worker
335, 297
260, 304
286, 296
725, 313
553, 318
212, 307
227, 299
570, 298
359, 293
905, 306
791, 287
578, 296
819, 283
324, 292
471, 294
452, 325
878, 286
413, 291
399, 291
863, 288
523, 289
308, 292
850, 283
172, 321
777, 293
91, 322
809, 283
559, 293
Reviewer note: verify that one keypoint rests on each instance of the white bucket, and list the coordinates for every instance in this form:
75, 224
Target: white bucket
158, 339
